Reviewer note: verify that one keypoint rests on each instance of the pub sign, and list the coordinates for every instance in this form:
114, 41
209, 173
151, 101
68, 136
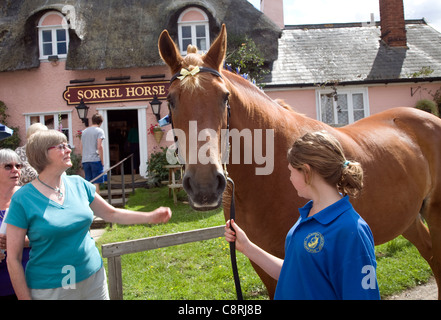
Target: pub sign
119, 92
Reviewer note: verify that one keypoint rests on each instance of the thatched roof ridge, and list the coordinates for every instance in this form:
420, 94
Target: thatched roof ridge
120, 33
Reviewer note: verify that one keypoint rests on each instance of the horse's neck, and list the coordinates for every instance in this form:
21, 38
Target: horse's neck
253, 109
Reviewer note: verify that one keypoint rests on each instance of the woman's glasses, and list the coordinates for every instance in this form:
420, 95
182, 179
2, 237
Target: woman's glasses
10, 166
61, 147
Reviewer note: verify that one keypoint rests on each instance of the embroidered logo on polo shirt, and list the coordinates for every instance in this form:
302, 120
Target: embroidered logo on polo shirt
314, 242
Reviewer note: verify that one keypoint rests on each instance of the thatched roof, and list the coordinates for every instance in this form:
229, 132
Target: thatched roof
121, 33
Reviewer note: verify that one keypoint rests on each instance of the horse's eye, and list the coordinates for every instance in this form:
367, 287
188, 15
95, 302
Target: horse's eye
171, 105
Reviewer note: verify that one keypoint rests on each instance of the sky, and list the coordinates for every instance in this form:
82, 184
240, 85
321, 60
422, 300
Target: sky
335, 11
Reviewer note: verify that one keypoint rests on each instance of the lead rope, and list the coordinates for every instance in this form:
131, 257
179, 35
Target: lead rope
232, 213
233, 246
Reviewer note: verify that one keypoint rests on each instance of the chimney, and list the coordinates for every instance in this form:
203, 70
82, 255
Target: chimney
393, 27
273, 9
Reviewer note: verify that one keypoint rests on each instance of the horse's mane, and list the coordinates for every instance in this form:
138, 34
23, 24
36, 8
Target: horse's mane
192, 83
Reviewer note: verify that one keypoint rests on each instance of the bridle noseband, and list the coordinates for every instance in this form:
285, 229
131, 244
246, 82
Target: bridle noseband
181, 75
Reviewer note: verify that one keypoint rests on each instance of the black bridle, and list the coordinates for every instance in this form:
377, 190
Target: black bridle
232, 206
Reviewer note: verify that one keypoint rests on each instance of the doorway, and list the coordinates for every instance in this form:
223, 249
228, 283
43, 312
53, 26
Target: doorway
123, 135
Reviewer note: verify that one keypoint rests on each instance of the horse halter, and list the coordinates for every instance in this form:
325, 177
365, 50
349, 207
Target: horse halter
184, 73
181, 75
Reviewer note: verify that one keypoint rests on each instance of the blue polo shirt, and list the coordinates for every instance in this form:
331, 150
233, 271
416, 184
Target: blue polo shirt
329, 256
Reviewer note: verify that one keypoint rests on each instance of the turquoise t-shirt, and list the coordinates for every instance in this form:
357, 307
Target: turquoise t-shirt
62, 249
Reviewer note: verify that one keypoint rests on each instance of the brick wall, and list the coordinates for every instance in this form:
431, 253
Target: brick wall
393, 30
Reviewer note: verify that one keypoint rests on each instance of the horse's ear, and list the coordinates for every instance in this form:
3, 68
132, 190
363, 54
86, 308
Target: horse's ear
216, 55
169, 52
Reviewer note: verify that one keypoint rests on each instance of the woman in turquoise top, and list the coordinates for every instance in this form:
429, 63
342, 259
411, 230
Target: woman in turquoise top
329, 252
55, 211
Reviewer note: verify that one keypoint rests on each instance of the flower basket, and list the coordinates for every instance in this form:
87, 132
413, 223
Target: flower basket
156, 131
158, 135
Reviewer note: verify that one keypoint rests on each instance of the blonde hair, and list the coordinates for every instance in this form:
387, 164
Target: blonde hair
324, 154
34, 128
38, 145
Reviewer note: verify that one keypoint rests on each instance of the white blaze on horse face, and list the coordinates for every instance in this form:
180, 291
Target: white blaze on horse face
208, 151
205, 154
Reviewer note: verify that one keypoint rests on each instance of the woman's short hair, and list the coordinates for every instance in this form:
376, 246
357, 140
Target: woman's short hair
38, 145
8, 156
34, 128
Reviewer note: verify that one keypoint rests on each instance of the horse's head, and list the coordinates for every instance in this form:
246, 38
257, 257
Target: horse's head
198, 99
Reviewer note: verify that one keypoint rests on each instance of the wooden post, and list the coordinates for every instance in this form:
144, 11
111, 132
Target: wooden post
115, 278
113, 251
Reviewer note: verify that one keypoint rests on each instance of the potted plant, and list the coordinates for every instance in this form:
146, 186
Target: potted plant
156, 131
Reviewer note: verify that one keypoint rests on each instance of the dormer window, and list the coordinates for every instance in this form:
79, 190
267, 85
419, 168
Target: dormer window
193, 28
53, 36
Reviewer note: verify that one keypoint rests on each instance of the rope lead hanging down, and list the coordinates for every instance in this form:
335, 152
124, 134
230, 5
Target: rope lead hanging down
233, 247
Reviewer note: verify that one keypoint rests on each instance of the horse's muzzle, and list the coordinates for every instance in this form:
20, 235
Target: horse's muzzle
204, 188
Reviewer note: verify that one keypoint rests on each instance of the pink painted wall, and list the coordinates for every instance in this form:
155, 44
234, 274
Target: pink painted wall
41, 90
300, 100
381, 97
399, 95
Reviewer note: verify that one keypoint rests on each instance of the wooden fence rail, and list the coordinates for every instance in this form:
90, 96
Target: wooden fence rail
113, 251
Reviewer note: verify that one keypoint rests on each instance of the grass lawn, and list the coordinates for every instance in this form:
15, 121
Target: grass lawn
202, 270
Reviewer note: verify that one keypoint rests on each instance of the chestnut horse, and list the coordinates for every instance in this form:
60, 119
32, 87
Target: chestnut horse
399, 149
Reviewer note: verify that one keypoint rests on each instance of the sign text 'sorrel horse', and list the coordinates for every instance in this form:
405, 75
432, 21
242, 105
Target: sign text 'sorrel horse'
400, 150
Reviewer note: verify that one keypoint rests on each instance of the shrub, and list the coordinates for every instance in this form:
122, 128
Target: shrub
428, 106
155, 167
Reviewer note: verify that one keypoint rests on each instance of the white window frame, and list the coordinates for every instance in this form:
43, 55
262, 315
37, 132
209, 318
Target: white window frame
53, 28
349, 92
41, 116
193, 25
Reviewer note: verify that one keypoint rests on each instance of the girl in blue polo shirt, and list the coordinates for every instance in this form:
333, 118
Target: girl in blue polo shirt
329, 252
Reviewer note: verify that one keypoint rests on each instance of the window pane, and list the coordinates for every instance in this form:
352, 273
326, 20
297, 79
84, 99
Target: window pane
342, 109
186, 32
185, 44
61, 48
47, 49
200, 31
358, 114
64, 121
66, 133
49, 121
358, 105
327, 109
61, 35
357, 101
34, 119
47, 36
201, 44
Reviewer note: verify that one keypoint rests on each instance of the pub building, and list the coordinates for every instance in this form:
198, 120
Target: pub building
102, 56
61, 58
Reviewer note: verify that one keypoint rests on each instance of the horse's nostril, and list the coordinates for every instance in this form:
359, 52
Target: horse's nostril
186, 183
221, 183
